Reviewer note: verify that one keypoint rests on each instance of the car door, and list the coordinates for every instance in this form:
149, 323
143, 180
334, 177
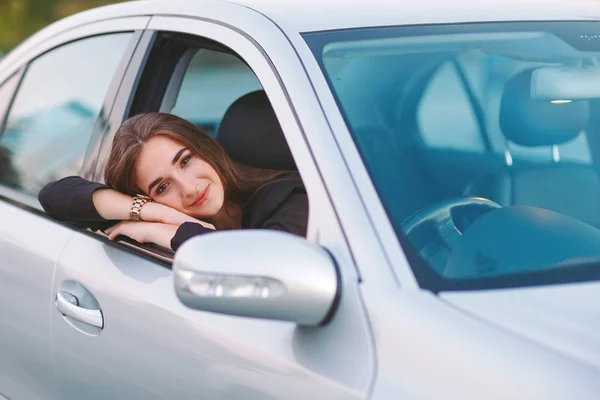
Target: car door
147, 344
25, 283
62, 88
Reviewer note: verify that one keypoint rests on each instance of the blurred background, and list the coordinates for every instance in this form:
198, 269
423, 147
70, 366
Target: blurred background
21, 18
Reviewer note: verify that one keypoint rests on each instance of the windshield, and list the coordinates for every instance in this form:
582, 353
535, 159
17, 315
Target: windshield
482, 141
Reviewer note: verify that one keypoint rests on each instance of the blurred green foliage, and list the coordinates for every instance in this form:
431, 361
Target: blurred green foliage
21, 18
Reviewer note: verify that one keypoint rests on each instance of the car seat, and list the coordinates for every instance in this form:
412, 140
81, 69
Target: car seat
569, 188
250, 134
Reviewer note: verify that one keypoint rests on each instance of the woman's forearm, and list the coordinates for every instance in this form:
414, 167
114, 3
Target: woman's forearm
76, 199
112, 205
70, 199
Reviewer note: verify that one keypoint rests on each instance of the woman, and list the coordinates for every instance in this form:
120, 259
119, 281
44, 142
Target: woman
168, 180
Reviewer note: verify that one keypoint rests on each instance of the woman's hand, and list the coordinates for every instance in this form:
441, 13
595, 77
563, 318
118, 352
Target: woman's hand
144, 232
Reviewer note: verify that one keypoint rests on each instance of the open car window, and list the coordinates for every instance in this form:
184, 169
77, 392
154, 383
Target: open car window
200, 80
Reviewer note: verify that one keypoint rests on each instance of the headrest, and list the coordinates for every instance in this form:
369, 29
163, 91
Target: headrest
251, 134
535, 122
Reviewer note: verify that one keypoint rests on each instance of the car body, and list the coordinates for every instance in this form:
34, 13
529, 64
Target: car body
392, 334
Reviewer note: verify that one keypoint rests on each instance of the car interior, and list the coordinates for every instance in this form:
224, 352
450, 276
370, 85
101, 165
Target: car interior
483, 154
537, 193
569, 188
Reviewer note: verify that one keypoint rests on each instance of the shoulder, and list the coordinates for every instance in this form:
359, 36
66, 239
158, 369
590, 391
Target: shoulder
280, 187
271, 196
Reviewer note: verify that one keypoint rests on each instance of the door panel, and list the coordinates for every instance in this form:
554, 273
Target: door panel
29, 247
153, 347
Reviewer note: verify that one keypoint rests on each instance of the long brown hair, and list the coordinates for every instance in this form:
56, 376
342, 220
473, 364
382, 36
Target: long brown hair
239, 181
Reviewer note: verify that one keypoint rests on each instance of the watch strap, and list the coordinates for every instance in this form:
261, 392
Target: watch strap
136, 207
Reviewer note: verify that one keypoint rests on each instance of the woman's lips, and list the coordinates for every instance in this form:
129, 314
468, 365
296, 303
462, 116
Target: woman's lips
201, 197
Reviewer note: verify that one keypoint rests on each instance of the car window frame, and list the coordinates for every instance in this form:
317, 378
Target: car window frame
18, 77
147, 86
128, 105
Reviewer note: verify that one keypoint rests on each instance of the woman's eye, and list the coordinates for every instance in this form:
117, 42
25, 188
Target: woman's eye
161, 188
185, 160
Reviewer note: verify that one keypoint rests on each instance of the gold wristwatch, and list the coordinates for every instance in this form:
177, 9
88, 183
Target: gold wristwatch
138, 202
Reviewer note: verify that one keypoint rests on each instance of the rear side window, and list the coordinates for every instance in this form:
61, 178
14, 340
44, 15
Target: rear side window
51, 120
212, 82
446, 116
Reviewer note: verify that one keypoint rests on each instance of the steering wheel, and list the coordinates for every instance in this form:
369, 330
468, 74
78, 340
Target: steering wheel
446, 220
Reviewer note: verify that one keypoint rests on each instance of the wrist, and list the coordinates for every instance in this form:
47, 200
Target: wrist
151, 212
139, 201
161, 234
156, 212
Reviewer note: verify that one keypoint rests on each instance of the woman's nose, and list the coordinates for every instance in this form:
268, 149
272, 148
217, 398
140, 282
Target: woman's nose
189, 189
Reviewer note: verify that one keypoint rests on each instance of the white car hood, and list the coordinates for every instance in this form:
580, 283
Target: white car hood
562, 318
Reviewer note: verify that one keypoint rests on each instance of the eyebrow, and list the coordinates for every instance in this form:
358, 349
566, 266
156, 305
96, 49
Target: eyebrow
173, 162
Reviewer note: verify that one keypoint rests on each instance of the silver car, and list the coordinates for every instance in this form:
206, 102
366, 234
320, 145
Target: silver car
450, 151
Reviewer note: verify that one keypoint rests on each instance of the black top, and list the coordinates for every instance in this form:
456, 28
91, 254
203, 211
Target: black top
281, 204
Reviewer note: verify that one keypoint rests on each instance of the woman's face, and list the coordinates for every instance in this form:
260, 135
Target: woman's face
173, 175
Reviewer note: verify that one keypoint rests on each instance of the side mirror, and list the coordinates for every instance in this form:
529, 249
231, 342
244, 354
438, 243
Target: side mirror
257, 273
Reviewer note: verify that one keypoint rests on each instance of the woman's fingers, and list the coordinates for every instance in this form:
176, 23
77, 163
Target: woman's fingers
108, 230
114, 231
206, 225
136, 230
118, 229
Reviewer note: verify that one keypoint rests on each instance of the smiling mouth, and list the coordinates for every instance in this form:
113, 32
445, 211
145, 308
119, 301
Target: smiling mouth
201, 197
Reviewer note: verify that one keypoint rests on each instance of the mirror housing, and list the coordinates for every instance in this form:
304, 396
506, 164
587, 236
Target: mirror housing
565, 83
259, 274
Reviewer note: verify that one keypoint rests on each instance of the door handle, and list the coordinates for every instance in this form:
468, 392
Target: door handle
68, 305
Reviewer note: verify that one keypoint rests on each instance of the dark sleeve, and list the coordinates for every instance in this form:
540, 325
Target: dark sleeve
291, 215
186, 231
70, 199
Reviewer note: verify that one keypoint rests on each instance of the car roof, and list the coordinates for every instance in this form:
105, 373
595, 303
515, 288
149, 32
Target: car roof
318, 15
299, 16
